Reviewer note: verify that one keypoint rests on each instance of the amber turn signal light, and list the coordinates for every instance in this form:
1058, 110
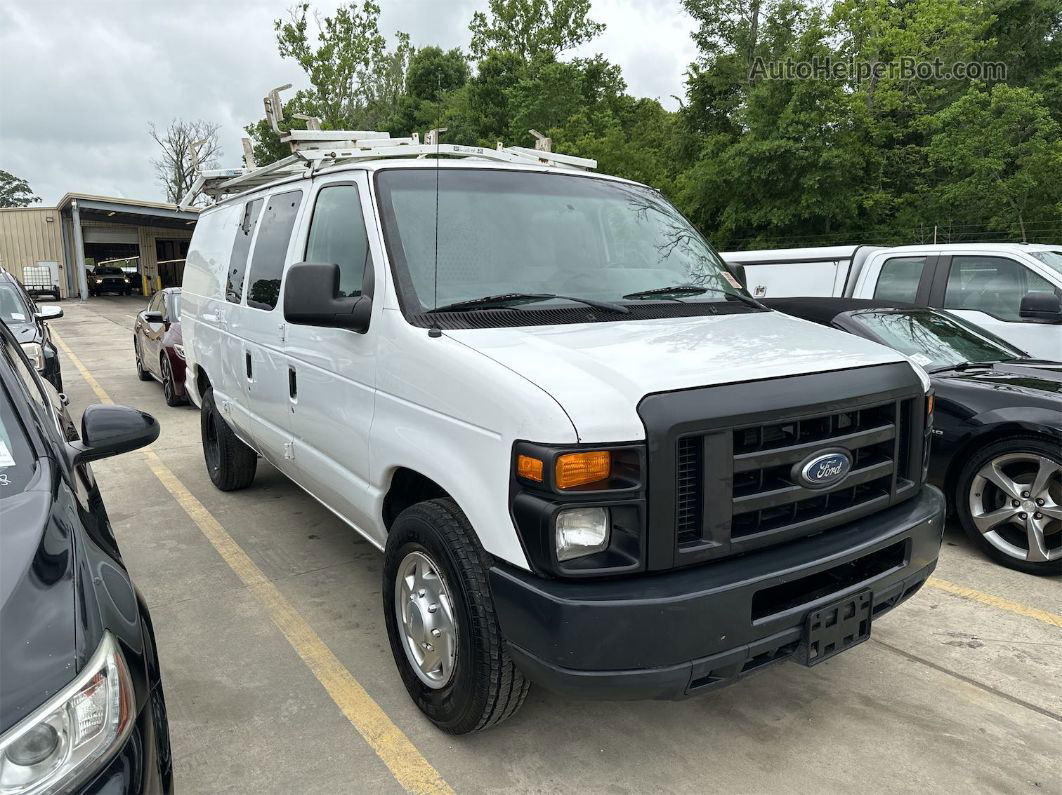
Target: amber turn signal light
929, 404
578, 469
529, 468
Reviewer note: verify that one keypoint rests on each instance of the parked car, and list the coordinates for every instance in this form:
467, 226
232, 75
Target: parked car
41, 279
1013, 290
997, 448
105, 279
28, 322
591, 462
158, 345
81, 701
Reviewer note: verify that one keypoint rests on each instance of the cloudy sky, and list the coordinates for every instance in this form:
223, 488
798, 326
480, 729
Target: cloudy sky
81, 81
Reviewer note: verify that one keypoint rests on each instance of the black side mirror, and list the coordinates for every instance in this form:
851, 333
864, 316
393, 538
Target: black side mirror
1045, 307
108, 430
311, 298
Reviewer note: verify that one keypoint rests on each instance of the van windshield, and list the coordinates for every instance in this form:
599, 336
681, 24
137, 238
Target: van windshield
1052, 259
514, 233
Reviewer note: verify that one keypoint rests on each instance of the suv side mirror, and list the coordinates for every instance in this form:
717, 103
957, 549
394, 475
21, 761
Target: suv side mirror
108, 430
1046, 307
48, 312
311, 298
152, 317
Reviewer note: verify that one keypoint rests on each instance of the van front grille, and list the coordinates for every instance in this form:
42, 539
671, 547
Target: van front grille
768, 503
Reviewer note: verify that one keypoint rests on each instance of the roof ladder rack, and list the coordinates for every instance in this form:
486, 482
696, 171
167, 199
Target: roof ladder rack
314, 148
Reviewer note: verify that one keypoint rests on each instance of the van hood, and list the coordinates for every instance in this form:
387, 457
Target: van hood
599, 372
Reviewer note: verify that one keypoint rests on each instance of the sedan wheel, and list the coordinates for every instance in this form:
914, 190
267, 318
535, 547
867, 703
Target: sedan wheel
1014, 506
141, 373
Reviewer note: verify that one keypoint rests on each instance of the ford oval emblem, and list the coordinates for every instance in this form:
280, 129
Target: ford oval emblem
824, 468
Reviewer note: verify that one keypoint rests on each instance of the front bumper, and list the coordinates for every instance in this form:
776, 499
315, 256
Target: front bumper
675, 634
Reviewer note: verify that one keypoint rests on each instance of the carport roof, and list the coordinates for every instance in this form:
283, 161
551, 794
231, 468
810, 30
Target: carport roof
130, 211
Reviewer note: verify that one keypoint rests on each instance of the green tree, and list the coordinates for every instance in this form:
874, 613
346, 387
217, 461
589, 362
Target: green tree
15, 192
532, 28
346, 45
999, 154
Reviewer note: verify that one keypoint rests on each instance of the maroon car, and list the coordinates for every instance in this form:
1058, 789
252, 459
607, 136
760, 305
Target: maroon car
158, 344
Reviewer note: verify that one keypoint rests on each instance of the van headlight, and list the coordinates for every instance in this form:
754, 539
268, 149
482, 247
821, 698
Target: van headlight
35, 353
67, 740
581, 531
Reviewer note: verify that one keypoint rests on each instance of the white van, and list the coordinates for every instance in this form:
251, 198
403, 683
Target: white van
590, 459
1013, 290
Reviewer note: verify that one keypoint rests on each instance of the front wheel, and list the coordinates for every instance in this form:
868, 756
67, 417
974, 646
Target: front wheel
169, 391
230, 463
1009, 499
441, 622
141, 373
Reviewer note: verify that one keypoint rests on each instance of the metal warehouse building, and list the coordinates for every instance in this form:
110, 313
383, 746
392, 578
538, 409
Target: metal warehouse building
85, 230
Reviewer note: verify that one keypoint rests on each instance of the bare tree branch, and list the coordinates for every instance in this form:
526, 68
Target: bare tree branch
187, 148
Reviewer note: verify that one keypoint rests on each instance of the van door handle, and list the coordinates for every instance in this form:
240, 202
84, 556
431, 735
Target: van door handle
247, 355
293, 386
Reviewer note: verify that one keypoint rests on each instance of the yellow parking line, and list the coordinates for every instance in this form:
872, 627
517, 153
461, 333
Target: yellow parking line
394, 748
1054, 619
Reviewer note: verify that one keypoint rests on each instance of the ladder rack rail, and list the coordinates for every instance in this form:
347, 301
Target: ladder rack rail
313, 149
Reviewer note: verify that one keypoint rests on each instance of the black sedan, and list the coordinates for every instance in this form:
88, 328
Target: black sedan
27, 322
997, 437
81, 703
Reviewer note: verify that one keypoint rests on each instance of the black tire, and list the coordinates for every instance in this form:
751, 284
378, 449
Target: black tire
230, 463
141, 373
168, 390
485, 686
971, 488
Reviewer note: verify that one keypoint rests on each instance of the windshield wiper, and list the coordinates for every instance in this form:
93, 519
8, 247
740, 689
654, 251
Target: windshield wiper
510, 300
963, 366
692, 289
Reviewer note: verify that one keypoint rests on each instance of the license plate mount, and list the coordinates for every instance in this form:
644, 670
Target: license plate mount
835, 628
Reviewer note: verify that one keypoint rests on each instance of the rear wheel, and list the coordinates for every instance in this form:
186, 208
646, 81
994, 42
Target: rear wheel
1009, 500
441, 622
230, 463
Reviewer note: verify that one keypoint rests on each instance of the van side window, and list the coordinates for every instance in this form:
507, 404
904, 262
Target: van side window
240, 246
899, 278
337, 235
993, 285
267, 261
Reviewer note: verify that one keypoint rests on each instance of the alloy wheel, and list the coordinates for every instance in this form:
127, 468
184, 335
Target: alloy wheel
1016, 503
425, 612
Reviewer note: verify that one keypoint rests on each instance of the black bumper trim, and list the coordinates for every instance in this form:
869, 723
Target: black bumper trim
674, 634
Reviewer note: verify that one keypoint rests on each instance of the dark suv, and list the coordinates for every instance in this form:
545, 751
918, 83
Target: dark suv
81, 703
109, 280
26, 320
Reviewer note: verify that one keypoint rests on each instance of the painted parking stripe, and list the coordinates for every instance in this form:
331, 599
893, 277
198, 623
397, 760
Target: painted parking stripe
406, 763
1054, 619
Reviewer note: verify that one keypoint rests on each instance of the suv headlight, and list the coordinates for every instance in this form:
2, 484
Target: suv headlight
35, 353
179, 350
66, 740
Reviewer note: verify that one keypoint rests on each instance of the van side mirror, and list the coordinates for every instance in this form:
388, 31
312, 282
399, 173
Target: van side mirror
108, 430
1046, 307
311, 298
48, 312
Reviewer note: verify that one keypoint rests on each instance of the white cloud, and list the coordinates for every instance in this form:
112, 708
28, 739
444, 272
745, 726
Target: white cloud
82, 81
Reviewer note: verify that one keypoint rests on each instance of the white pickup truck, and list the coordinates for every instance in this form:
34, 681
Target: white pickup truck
1013, 290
